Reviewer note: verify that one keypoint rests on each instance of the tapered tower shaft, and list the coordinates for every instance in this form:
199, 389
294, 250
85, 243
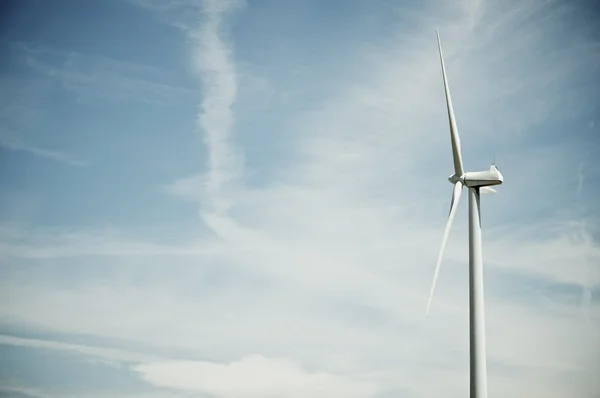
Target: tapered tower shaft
478, 374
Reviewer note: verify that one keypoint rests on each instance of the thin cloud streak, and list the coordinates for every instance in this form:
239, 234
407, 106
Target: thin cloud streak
110, 354
56, 156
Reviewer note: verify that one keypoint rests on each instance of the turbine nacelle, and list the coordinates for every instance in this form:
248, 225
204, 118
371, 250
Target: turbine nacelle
483, 178
474, 179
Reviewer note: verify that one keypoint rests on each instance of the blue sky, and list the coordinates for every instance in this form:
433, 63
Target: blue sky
246, 199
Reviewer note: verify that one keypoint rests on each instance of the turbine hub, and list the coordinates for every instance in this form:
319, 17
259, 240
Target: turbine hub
454, 179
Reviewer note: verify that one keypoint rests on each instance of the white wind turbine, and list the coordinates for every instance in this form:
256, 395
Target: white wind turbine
476, 182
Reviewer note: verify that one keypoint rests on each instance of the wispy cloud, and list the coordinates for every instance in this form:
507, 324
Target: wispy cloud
181, 14
215, 65
213, 62
110, 354
21, 391
95, 76
22, 121
25, 243
57, 156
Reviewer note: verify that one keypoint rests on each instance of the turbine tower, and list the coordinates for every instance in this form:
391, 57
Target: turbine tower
477, 182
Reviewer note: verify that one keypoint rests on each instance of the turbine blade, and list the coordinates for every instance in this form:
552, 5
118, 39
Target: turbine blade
454, 205
456, 155
488, 190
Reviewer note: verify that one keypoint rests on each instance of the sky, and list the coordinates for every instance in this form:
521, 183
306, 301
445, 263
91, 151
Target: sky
246, 199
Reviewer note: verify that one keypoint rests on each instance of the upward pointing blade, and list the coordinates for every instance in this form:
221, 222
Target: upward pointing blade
453, 206
458, 166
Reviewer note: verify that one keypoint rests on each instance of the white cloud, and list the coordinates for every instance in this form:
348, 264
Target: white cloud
254, 377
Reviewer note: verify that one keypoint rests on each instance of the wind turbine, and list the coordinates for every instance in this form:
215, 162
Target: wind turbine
477, 182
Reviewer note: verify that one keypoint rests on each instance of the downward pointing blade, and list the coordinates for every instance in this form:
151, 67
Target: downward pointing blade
458, 165
453, 206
